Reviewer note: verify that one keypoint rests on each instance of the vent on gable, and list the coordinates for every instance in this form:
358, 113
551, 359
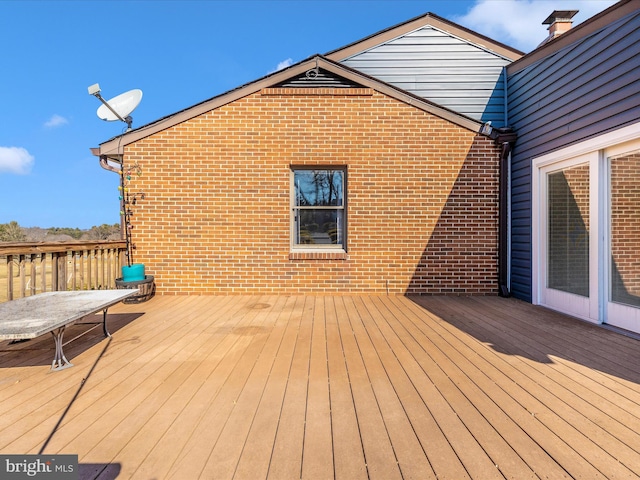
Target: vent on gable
318, 78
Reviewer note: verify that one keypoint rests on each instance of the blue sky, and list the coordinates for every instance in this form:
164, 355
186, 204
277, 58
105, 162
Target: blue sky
178, 53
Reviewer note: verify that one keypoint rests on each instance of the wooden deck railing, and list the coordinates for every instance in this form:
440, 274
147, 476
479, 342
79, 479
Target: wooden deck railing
31, 268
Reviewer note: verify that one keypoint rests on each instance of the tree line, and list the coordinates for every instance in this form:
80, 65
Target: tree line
13, 232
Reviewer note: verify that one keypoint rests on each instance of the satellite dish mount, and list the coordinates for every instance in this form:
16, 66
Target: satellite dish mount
119, 107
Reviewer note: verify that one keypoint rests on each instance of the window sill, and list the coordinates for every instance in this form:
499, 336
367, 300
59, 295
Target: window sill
321, 255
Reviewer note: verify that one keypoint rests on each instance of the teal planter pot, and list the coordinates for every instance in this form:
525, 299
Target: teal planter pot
133, 273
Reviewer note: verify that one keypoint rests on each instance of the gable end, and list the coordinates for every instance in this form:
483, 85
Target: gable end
318, 78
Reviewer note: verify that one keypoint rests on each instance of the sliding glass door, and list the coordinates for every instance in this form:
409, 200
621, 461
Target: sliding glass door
586, 230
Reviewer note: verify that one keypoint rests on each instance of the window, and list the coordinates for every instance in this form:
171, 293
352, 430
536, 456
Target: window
318, 213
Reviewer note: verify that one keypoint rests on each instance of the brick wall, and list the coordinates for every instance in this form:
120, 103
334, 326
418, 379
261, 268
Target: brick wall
421, 198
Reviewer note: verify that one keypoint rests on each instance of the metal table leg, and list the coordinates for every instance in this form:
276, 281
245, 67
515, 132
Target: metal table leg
60, 362
104, 323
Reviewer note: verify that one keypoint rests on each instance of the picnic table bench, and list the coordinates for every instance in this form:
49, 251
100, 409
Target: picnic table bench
29, 317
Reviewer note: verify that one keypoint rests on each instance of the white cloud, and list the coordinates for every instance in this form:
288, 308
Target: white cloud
15, 160
518, 23
56, 121
283, 64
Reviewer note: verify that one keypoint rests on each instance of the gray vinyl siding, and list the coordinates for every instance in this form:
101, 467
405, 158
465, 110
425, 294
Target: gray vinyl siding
443, 69
581, 91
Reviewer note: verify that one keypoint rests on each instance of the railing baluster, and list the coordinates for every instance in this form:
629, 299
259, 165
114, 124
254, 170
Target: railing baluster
33, 279
54, 271
9, 277
64, 261
89, 264
104, 277
96, 280
43, 272
82, 267
109, 267
23, 277
74, 266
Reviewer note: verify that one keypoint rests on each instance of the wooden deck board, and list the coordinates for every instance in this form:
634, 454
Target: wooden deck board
344, 387
257, 451
347, 443
388, 381
381, 461
286, 459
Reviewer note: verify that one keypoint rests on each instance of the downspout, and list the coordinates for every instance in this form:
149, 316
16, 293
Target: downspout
104, 163
505, 138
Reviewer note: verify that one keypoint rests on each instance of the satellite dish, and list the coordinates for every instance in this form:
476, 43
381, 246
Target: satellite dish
121, 106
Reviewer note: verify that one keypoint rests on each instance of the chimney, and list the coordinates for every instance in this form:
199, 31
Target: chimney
559, 22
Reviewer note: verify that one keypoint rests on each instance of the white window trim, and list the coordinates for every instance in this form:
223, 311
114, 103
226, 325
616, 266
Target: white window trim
331, 249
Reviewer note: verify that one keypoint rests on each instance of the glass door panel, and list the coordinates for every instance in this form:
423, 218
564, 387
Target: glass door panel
566, 232
624, 241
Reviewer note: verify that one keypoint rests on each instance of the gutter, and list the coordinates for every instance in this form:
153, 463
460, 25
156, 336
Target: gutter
104, 161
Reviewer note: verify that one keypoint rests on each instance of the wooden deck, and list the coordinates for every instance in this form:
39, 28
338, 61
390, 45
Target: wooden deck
314, 387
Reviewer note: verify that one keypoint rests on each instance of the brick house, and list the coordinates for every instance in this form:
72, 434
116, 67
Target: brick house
322, 178
425, 197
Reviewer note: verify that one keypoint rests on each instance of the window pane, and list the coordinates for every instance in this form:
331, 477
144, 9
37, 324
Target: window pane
319, 188
319, 227
568, 230
625, 225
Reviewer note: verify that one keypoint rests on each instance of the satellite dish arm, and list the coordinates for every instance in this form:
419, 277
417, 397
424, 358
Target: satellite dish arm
105, 103
137, 95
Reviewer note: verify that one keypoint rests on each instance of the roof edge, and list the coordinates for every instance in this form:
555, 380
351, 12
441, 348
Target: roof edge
418, 22
115, 146
615, 12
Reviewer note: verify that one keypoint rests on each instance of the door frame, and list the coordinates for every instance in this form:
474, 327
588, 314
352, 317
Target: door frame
585, 308
616, 314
